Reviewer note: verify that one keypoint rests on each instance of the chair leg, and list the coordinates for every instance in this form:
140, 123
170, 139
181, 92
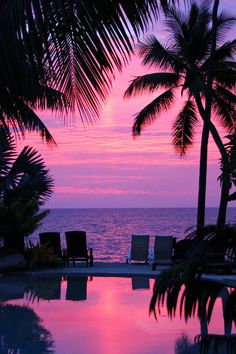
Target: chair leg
91, 260
66, 262
90, 257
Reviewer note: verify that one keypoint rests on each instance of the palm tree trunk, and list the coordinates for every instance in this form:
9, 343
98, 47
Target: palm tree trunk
202, 177
225, 187
206, 119
208, 126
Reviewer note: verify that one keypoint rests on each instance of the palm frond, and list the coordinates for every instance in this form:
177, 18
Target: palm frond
225, 75
188, 31
184, 128
177, 288
223, 54
151, 82
224, 24
38, 186
232, 197
225, 111
28, 177
226, 51
153, 53
28, 120
29, 162
72, 45
175, 22
7, 151
149, 113
225, 94
196, 33
47, 98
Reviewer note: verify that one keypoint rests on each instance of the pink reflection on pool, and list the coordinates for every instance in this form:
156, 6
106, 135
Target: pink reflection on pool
108, 316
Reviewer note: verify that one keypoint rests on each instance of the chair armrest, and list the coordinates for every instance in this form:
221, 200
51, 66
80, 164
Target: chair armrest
63, 252
128, 259
151, 255
90, 255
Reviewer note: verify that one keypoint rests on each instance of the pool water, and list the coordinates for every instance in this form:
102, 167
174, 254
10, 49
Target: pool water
100, 315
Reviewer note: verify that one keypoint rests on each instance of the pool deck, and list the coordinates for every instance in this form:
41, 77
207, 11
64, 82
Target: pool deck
126, 270
105, 269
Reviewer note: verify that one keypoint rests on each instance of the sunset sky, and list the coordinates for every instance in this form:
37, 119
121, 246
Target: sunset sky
101, 165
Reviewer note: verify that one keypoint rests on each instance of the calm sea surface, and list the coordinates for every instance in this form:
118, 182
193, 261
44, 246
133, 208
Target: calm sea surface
109, 230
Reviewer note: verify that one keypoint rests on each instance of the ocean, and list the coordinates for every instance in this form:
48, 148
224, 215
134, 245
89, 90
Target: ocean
109, 230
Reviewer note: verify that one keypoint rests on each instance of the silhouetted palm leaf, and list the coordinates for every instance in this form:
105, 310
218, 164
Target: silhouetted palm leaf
226, 51
153, 53
187, 57
7, 152
148, 114
225, 111
25, 185
151, 82
184, 127
61, 54
225, 94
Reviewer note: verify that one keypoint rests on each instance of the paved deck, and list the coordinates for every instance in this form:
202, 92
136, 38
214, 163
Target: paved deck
105, 269
126, 270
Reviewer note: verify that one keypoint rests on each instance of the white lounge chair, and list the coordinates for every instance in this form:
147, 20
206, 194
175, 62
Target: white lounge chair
139, 251
163, 250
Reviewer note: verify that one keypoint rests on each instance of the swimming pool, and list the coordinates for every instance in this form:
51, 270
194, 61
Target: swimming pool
102, 315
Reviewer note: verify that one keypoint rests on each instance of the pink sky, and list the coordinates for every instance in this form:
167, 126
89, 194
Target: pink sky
100, 165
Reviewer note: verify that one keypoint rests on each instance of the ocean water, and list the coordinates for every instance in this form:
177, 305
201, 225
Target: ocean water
109, 230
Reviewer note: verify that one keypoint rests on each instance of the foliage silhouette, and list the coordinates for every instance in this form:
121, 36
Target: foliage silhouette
182, 68
25, 185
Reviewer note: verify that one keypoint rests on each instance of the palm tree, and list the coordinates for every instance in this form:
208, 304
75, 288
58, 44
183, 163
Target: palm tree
61, 55
183, 66
25, 185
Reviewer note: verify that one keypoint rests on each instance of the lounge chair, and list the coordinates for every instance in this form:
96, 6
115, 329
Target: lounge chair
53, 240
163, 250
221, 263
139, 251
211, 259
77, 250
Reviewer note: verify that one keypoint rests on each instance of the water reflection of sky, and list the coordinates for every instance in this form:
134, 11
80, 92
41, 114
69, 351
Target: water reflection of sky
100, 315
